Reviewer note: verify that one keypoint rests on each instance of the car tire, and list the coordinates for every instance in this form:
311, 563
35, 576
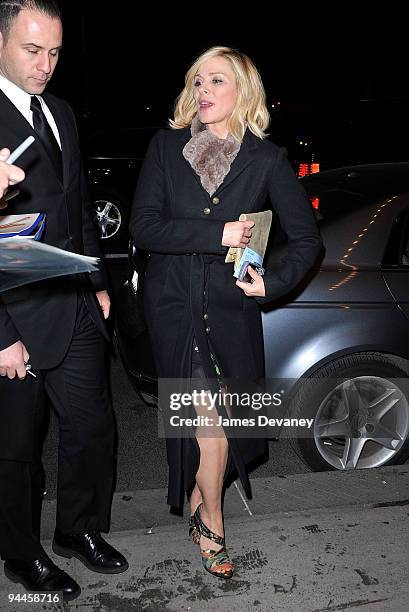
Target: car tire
374, 389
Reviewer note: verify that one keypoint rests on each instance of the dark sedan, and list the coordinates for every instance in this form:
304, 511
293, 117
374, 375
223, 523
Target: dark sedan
113, 159
342, 341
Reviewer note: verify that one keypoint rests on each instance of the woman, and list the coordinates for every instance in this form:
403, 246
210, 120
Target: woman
197, 178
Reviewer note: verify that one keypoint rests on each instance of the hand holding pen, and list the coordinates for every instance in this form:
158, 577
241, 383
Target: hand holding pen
14, 362
10, 174
28, 370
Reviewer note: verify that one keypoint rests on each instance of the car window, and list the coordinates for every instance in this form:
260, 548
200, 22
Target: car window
330, 205
397, 251
129, 143
338, 192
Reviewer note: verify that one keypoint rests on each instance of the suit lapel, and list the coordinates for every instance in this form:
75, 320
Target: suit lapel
18, 124
62, 131
13, 119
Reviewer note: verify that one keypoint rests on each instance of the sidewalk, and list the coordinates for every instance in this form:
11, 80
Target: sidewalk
307, 543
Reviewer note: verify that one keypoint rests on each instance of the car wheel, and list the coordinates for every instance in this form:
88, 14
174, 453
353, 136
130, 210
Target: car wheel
360, 407
109, 217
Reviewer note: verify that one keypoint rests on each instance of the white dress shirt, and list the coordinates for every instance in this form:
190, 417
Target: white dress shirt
22, 101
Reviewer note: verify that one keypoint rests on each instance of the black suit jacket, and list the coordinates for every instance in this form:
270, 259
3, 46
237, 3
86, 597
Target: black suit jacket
43, 314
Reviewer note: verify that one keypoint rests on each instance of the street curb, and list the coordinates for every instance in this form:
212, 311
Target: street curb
145, 509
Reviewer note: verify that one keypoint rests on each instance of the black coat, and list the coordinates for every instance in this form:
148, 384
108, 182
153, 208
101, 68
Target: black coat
43, 314
187, 255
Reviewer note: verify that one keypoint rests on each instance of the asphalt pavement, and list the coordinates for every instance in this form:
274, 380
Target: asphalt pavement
313, 542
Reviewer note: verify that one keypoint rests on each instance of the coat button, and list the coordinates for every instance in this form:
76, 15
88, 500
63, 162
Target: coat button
205, 316
207, 330
215, 200
206, 211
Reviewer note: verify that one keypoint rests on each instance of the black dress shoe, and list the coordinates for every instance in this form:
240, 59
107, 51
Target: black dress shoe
90, 548
41, 575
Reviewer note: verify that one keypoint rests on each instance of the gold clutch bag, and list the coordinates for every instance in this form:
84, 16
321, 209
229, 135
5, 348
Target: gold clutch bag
254, 253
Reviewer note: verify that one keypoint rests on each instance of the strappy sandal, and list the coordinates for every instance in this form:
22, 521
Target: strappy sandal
216, 562
193, 532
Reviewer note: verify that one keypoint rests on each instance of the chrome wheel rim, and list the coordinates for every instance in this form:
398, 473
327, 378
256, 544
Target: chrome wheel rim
108, 217
362, 423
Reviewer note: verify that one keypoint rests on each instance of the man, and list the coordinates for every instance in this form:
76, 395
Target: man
56, 326
9, 174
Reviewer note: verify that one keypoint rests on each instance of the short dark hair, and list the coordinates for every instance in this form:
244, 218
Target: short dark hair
10, 9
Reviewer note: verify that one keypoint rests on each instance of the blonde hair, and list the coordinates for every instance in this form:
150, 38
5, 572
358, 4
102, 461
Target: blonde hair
250, 110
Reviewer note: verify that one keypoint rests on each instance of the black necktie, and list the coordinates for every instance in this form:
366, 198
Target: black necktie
46, 135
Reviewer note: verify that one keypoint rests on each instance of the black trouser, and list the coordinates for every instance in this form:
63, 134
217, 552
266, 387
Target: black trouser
78, 391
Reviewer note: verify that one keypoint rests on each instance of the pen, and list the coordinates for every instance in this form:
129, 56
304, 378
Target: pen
11, 195
19, 150
28, 370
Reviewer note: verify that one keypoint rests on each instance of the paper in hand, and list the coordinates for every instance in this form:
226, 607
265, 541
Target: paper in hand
253, 254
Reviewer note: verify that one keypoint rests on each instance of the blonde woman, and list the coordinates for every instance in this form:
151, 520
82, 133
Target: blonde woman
213, 164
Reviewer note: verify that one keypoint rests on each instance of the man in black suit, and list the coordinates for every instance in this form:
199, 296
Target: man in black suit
56, 325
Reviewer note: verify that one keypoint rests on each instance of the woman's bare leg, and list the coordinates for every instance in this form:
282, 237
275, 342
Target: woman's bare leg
209, 479
210, 475
195, 499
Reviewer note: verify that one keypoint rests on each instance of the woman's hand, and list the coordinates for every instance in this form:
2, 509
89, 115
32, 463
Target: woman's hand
237, 233
254, 289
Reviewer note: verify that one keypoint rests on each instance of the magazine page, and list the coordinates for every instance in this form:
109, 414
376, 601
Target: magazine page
23, 260
26, 224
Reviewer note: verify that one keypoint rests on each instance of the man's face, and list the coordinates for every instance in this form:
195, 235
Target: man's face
30, 55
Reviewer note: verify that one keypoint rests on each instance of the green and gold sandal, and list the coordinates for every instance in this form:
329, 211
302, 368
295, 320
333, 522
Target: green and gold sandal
193, 532
216, 562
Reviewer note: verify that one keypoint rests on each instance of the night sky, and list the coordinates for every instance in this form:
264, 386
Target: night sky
115, 63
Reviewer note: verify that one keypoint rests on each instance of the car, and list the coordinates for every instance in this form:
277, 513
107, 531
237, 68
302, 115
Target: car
341, 341
113, 161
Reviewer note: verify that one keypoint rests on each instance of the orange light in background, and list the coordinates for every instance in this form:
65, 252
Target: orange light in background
302, 170
305, 169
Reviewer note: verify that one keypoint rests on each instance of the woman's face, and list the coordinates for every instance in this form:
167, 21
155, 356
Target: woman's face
215, 93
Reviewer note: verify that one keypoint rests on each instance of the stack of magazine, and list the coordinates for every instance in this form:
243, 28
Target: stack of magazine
28, 225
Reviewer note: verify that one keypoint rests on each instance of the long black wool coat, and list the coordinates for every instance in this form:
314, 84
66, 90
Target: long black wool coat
190, 292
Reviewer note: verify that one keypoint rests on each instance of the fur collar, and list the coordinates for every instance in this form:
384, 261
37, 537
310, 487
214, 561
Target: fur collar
210, 156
